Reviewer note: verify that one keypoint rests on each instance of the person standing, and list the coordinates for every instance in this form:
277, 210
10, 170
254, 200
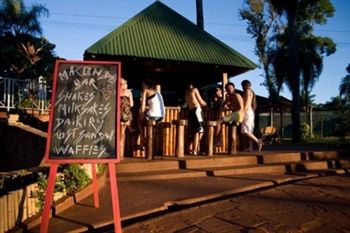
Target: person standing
152, 107
127, 103
250, 105
195, 103
234, 103
218, 98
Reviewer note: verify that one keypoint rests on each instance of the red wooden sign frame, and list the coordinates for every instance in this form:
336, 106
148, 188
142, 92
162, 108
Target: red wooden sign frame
111, 161
117, 123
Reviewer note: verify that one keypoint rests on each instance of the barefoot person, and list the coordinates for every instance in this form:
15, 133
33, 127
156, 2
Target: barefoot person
233, 102
250, 105
152, 107
194, 102
127, 103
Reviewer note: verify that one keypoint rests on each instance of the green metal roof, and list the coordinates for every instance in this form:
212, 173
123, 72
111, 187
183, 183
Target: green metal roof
159, 32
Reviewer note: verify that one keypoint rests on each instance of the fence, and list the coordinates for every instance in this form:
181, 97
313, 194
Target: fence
13, 93
324, 122
17, 206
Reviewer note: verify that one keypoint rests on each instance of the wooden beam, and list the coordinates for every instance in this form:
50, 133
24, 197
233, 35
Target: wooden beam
224, 82
199, 10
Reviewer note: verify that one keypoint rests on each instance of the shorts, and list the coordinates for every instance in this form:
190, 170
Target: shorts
248, 122
196, 120
233, 117
151, 118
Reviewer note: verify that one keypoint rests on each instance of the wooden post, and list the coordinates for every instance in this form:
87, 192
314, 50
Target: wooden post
281, 124
180, 137
271, 116
149, 139
224, 82
311, 122
233, 139
122, 140
210, 136
200, 18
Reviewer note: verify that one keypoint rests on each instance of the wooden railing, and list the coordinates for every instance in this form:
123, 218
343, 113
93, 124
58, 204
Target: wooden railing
165, 134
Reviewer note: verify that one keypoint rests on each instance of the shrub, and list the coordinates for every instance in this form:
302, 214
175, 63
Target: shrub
72, 179
75, 177
305, 130
42, 184
101, 168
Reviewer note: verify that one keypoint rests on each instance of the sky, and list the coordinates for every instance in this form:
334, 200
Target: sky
74, 25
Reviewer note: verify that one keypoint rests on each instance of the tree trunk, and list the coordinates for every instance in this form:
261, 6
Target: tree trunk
294, 68
296, 108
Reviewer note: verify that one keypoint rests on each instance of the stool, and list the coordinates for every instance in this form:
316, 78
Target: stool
149, 139
233, 138
210, 136
180, 137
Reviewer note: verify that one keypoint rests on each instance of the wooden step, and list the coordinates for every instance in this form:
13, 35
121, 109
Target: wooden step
221, 162
145, 165
258, 169
161, 175
281, 158
308, 166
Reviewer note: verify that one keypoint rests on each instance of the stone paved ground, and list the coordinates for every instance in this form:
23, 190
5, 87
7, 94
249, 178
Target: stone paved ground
320, 205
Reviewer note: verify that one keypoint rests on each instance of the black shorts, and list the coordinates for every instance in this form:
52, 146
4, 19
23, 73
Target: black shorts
196, 120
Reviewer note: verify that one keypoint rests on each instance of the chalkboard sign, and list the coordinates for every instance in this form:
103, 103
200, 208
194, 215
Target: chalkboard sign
84, 114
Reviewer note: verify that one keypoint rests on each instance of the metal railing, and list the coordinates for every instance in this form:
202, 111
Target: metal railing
14, 91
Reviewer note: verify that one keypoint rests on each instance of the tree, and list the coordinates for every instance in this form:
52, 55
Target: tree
288, 50
23, 52
306, 100
344, 87
262, 22
16, 19
301, 50
312, 50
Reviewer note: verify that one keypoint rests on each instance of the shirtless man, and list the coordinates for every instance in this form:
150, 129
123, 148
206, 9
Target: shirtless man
247, 127
194, 102
233, 102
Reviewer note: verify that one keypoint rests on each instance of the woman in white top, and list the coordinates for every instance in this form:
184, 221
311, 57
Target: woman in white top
152, 107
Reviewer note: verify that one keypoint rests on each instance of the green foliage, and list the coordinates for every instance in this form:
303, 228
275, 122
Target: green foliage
101, 167
342, 126
17, 19
42, 184
290, 53
341, 123
24, 53
305, 130
75, 177
72, 179
306, 100
262, 23
344, 87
